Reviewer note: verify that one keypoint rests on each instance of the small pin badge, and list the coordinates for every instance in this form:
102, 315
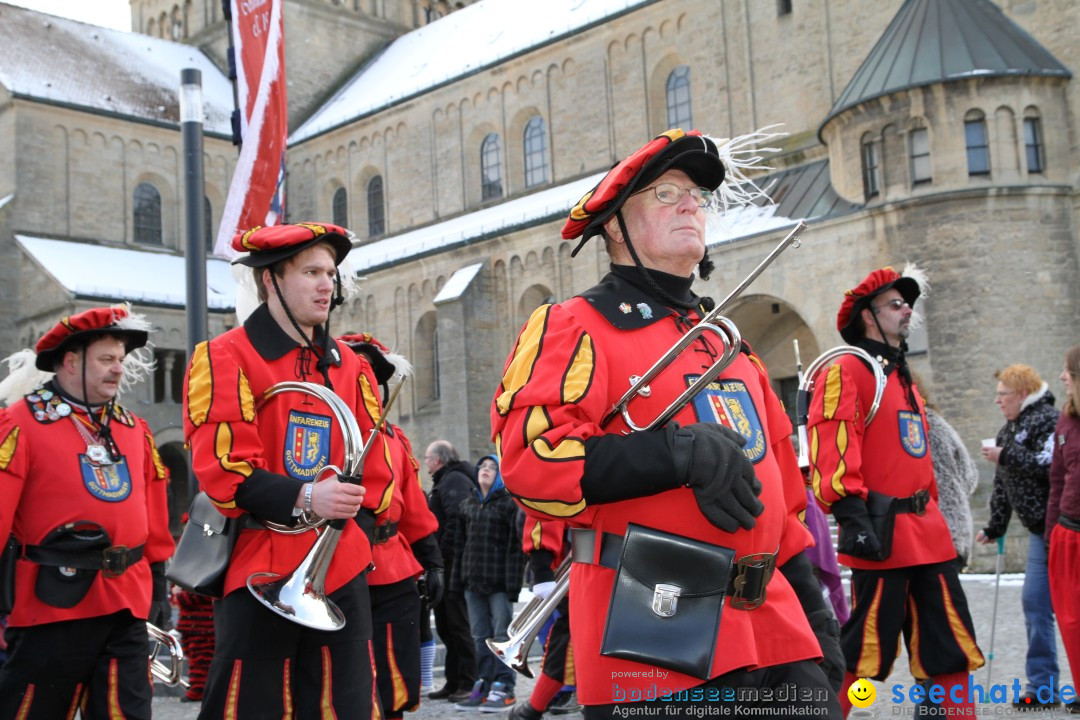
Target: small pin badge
625, 308
645, 310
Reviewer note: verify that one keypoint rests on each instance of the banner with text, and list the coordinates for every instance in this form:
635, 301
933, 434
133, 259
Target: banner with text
257, 192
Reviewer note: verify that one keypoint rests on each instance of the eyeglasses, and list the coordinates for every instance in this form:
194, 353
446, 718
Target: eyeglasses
895, 304
1004, 393
671, 194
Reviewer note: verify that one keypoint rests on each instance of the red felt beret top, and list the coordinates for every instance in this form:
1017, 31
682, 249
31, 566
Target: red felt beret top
82, 327
859, 297
374, 350
266, 245
690, 152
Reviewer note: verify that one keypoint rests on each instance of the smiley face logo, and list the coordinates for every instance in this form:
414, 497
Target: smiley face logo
862, 693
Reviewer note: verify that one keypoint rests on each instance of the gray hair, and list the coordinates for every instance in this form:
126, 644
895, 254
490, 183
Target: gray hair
444, 451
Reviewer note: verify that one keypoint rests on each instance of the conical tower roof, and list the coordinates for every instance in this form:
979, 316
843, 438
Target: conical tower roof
933, 41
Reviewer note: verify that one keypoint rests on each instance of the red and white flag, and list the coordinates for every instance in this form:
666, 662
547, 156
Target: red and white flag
257, 193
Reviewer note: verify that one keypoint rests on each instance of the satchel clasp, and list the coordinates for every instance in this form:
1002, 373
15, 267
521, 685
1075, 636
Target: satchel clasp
665, 599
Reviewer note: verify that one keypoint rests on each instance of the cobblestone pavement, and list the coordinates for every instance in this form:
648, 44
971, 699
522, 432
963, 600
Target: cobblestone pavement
1010, 645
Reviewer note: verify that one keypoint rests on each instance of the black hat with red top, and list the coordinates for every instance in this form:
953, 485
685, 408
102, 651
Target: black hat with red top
79, 329
691, 152
860, 297
266, 245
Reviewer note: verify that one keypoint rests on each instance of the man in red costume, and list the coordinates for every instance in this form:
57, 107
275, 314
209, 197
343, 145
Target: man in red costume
855, 467
260, 461
721, 484
82, 491
405, 549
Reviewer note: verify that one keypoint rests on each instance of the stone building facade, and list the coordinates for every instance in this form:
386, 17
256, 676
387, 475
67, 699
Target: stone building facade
413, 177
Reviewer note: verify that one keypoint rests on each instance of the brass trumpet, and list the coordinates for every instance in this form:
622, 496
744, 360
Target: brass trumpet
168, 674
806, 389
724, 329
523, 629
301, 595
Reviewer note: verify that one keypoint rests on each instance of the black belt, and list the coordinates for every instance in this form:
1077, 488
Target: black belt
1069, 523
384, 532
746, 586
113, 560
914, 504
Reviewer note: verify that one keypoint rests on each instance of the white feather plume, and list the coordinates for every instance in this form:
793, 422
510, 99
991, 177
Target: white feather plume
916, 273
23, 376
743, 154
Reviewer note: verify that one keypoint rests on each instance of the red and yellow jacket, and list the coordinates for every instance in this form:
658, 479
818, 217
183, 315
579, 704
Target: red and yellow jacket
255, 459
891, 455
46, 482
571, 362
401, 501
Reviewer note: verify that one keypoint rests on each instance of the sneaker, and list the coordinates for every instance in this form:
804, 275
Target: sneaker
564, 703
500, 698
475, 698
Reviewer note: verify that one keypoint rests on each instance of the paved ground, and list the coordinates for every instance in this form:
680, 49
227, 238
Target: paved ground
1008, 663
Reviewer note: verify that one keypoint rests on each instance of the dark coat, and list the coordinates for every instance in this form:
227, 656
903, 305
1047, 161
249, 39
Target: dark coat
1022, 478
451, 485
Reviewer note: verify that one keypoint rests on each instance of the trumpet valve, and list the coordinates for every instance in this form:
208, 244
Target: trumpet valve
645, 391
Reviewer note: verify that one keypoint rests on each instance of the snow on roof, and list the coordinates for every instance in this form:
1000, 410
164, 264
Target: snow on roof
64, 61
457, 283
463, 42
801, 193
121, 274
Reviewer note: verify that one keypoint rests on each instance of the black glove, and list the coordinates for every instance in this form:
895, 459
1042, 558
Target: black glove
430, 586
709, 459
827, 631
857, 537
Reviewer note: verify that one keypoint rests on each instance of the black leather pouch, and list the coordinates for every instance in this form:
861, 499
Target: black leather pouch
202, 556
666, 604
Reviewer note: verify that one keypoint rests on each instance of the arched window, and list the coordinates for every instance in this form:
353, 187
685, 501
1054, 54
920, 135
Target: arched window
871, 166
147, 207
163, 26
208, 225
376, 213
978, 146
535, 152
425, 359
340, 207
490, 168
176, 28
678, 98
1033, 144
919, 148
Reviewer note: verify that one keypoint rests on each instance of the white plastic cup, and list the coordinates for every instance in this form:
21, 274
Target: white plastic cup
989, 442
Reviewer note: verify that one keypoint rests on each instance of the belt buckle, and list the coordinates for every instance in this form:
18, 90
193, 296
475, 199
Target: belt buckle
665, 599
920, 500
114, 560
753, 561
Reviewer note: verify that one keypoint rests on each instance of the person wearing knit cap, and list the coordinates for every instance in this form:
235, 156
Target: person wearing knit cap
877, 480
85, 502
405, 551
721, 481
265, 461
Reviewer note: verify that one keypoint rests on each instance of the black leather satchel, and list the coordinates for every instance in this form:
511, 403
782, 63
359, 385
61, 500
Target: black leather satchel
202, 556
666, 604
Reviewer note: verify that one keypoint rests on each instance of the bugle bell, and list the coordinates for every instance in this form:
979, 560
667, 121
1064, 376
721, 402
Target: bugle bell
526, 625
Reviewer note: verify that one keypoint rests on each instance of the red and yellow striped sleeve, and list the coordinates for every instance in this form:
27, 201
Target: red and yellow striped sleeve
543, 412
834, 430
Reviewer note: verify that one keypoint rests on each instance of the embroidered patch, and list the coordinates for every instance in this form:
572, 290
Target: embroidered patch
912, 435
111, 483
729, 402
307, 444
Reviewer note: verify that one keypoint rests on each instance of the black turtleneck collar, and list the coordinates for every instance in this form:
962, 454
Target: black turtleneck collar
624, 299
886, 354
272, 342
